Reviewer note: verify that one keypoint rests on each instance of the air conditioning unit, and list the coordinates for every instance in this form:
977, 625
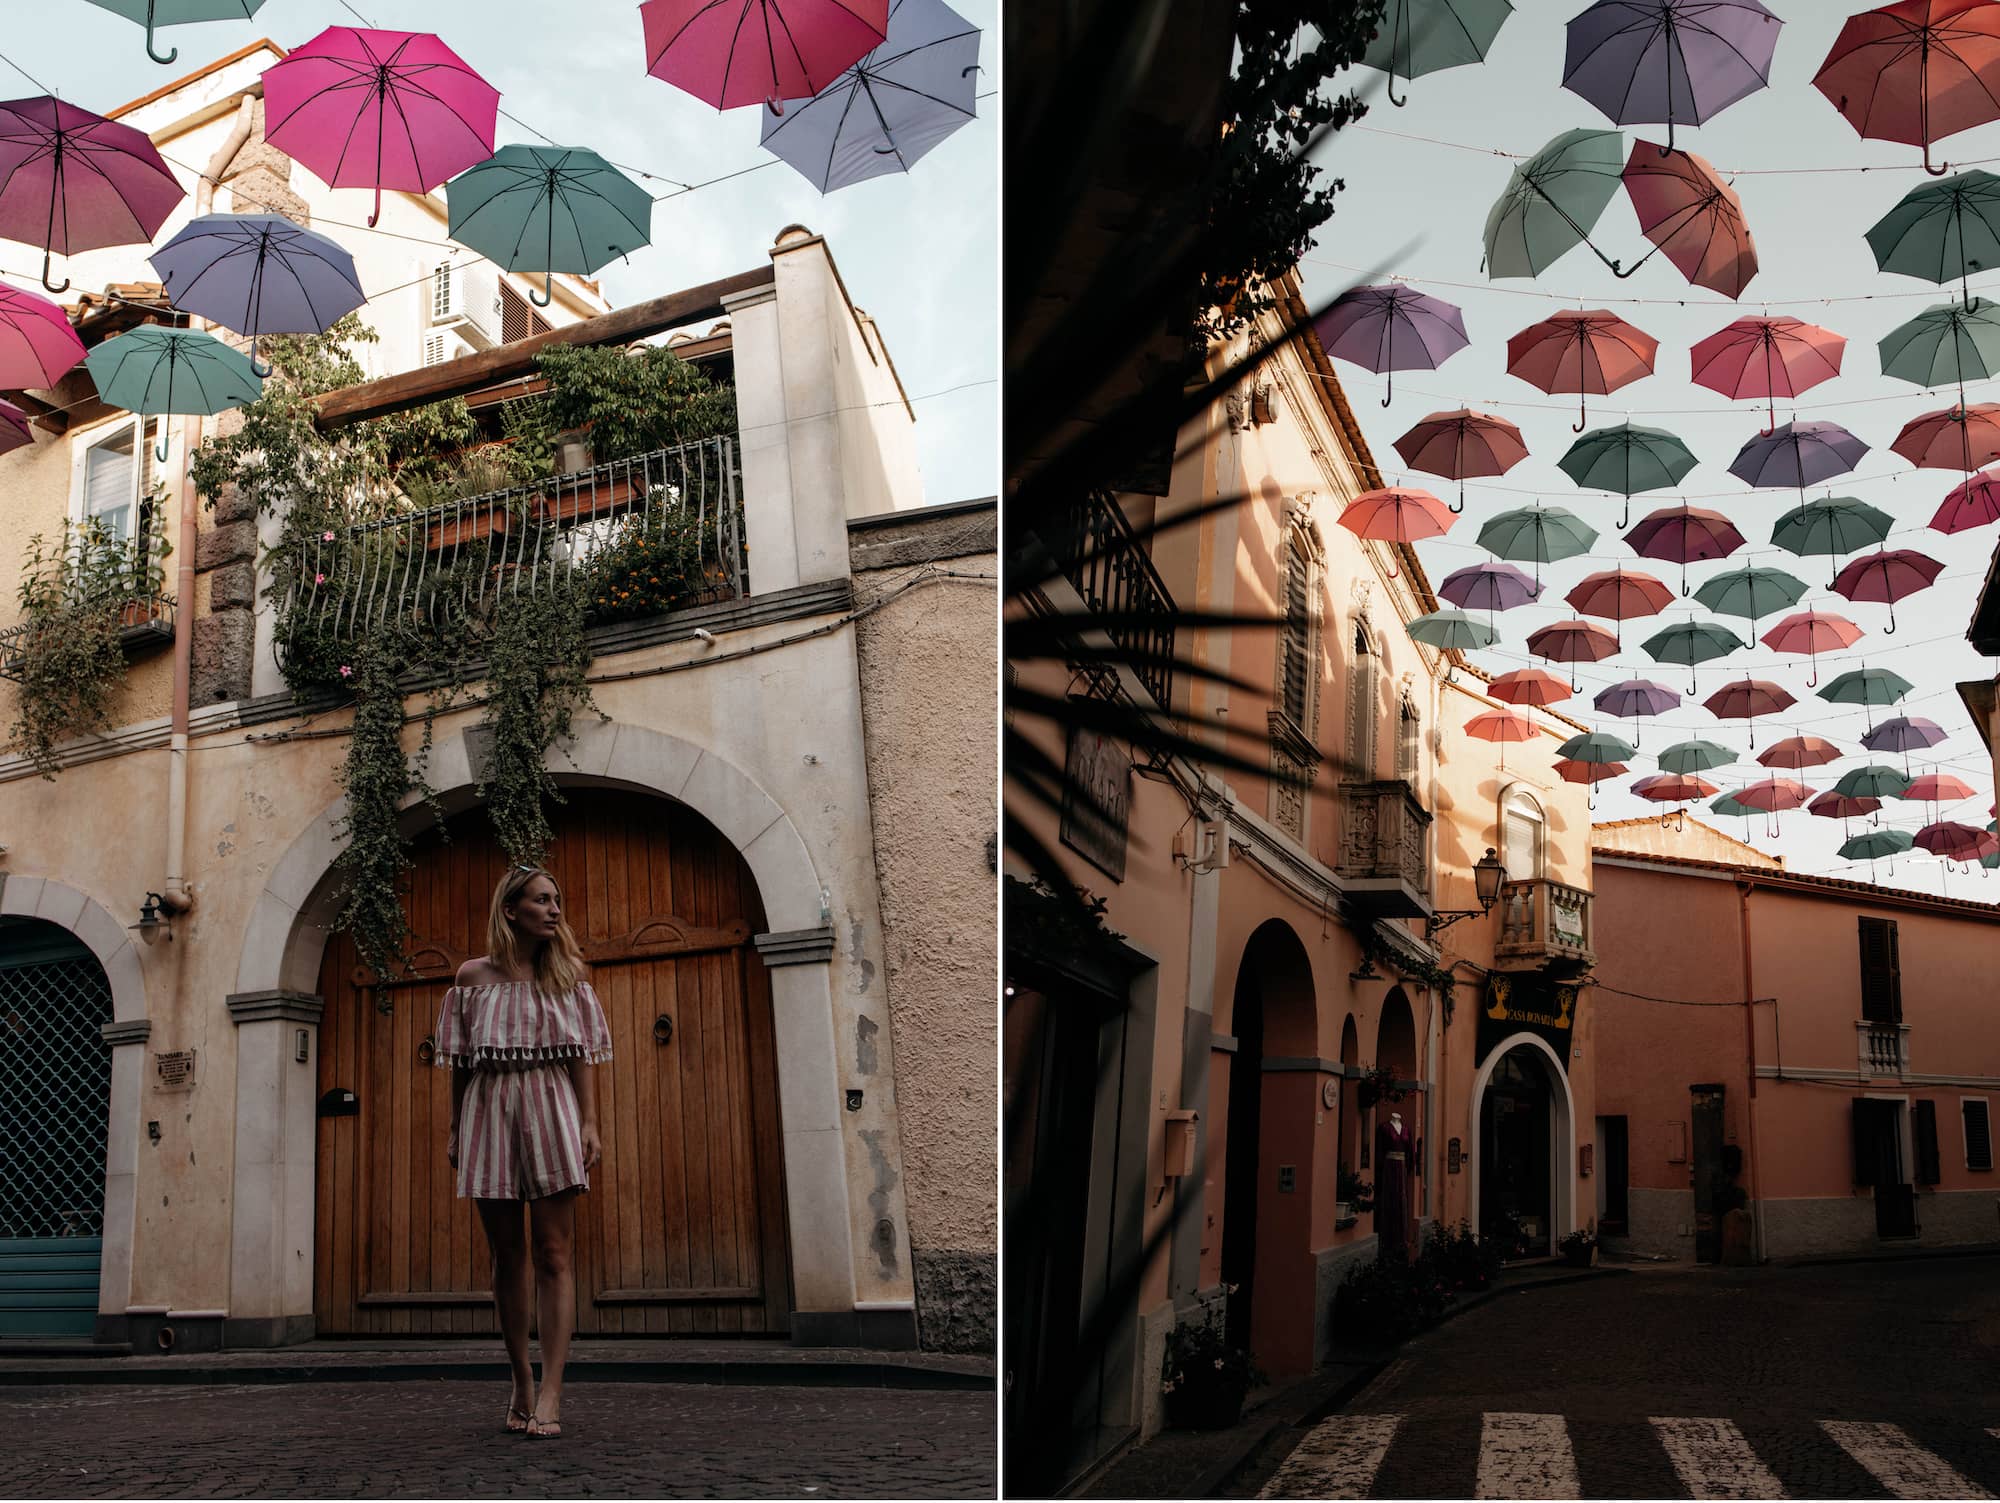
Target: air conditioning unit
467, 299
444, 345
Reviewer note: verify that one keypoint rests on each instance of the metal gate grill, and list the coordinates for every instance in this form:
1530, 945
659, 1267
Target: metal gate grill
55, 1081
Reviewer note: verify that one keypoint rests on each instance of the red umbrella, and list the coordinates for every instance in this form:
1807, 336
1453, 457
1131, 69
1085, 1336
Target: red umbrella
1812, 632
1588, 351
1954, 841
1831, 805
1502, 726
1887, 576
1462, 444
1396, 514
730, 53
1529, 686
1958, 438
1798, 752
1973, 502
1619, 595
1673, 787
1768, 358
1938, 788
1593, 773
1692, 215
1684, 534
1748, 700
1573, 642
1772, 795
1917, 71
37, 344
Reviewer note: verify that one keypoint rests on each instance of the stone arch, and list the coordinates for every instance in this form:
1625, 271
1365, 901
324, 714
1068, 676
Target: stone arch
1562, 1131
91, 922
1396, 1036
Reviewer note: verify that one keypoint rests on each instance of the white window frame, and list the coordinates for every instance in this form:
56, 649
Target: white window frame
1522, 794
143, 431
1965, 1135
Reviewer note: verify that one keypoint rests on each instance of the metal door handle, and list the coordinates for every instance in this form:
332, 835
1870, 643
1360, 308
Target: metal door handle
426, 1051
663, 1029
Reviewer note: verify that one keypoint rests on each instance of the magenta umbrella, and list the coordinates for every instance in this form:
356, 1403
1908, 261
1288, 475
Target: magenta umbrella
731, 53
1391, 328
1812, 632
1767, 357
36, 342
14, 430
1887, 576
380, 109
1747, 700
1683, 535
72, 181
1973, 502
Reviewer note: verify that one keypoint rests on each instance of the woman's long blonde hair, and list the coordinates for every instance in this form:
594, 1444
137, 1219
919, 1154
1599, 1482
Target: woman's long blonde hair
558, 965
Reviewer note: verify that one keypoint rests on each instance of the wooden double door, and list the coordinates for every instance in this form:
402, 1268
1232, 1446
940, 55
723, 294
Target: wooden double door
683, 1228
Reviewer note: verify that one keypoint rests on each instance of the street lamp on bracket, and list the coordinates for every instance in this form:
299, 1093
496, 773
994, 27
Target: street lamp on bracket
1487, 875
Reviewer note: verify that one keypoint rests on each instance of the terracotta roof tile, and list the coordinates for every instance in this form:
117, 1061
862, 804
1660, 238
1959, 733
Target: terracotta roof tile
1760, 876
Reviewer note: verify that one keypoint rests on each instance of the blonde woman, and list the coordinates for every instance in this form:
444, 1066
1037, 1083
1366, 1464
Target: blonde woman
521, 1030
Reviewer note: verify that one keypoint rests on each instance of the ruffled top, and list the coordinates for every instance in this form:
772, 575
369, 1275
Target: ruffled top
514, 1024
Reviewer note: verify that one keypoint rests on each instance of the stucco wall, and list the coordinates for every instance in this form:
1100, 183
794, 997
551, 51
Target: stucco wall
928, 687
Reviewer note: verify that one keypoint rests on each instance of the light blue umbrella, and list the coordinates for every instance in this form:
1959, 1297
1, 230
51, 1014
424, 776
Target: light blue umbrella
258, 274
1686, 757
1450, 629
548, 209
158, 370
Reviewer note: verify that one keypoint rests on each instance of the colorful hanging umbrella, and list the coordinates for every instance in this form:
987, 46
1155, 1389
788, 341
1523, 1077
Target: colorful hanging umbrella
1428, 36
1391, 328
1916, 71
1954, 841
1887, 577
1730, 804
1942, 230
1628, 459
1773, 795
1956, 438
1747, 700
1451, 629
15, 431
1552, 201
1831, 526
1529, 686
888, 109
1572, 642
1939, 788
1812, 632
1396, 514
1692, 642
1570, 770
1798, 454
731, 53
1542, 534
37, 344
1973, 502
1463, 444
1835, 805
549, 209
1684, 534
72, 181
1488, 587
1946, 345
1673, 787
1867, 687
1635, 699
1595, 746
1501, 726
1584, 352
1768, 358
1695, 756
1873, 781
1669, 62
1800, 752
154, 13
1620, 595
1692, 215
379, 109
1877, 843
1905, 734
1751, 592
258, 274
155, 369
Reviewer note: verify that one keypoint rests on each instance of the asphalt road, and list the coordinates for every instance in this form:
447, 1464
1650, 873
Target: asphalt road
1857, 1381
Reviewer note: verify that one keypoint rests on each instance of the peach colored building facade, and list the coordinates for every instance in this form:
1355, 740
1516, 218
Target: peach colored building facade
1823, 1046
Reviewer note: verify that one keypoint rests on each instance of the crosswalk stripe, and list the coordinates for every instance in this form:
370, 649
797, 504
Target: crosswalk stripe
1902, 1466
1337, 1459
1713, 1460
1525, 1456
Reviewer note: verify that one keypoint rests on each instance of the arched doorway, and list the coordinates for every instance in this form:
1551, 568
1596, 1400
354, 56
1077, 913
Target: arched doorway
55, 1087
1350, 1106
1524, 1148
1396, 1052
683, 1230
1270, 1163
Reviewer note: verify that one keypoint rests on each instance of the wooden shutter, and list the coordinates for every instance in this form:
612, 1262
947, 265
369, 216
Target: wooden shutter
1298, 634
1864, 1143
1923, 1124
1978, 1133
1881, 974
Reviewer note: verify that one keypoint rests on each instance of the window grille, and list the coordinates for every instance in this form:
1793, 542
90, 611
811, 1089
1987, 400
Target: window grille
55, 1086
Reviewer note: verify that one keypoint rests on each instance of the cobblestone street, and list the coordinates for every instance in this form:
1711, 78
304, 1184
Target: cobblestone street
442, 1438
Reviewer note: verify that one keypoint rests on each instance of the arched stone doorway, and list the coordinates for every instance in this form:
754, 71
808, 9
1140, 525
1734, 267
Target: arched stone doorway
1272, 1164
1395, 1178
1523, 1146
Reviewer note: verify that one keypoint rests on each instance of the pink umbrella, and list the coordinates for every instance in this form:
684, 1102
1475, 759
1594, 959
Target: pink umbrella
72, 181
1692, 215
380, 109
1619, 595
36, 342
1831, 805
731, 53
1956, 842
1768, 358
1887, 576
1956, 438
1683, 535
1502, 726
1462, 444
1748, 700
1588, 351
1772, 795
14, 430
1797, 752
1396, 514
1812, 632
1593, 773
1673, 787
1938, 788
1973, 502
1572, 642
1529, 686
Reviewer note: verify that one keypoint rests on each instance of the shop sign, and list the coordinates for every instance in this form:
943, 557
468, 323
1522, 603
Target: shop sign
1565, 918
1097, 799
1528, 1002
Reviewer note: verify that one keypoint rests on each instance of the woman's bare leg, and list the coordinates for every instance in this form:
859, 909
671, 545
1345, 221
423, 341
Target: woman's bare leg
513, 1289
553, 1218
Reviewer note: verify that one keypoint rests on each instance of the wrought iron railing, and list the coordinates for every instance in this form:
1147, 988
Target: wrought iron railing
1383, 834
1104, 559
676, 513
1883, 1048
1543, 920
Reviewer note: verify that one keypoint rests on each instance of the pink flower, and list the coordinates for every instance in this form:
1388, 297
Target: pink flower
319, 579
345, 671
326, 537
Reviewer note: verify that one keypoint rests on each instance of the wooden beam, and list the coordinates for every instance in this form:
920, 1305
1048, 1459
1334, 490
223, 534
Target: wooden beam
42, 414
471, 373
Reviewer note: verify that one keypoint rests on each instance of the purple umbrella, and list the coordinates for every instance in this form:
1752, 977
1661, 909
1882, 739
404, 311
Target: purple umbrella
1488, 587
258, 274
1798, 454
72, 181
1903, 733
1670, 62
1391, 328
1636, 698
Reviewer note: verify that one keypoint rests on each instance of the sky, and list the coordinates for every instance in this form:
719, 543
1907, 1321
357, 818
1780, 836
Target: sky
919, 251
1419, 181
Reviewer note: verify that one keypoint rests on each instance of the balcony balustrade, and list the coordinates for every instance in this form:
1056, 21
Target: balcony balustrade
1103, 558
1883, 1048
1384, 862
1543, 921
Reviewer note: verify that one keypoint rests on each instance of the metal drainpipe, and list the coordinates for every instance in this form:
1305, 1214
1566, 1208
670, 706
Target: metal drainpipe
1750, 1053
175, 896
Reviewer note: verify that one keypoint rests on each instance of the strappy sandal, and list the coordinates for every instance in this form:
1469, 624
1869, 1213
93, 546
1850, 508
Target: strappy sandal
508, 1427
545, 1429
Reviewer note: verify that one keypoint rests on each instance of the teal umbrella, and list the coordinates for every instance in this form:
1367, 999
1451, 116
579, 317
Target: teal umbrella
152, 13
1692, 642
1595, 746
1427, 36
549, 209
1551, 202
1872, 781
1832, 525
1729, 803
1685, 757
1866, 686
1627, 459
1947, 345
1541, 533
1877, 843
1452, 629
159, 370
1942, 230
1751, 591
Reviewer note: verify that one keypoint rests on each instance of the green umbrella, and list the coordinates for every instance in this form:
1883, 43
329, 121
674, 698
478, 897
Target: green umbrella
1452, 629
1866, 686
1832, 525
1947, 345
1942, 230
549, 209
1692, 642
1541, 533
1686, 757
1877, 843
1872, 781
1729, 803
1427, 36
1750, 591
1595, 746
1551, 202
1627, 459
152, 13
160, 370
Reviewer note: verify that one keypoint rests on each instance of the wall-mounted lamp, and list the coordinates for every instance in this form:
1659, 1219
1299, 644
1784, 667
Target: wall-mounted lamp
1487, 875
152, 923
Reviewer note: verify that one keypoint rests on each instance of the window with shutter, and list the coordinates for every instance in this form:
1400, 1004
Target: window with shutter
1408, 741
1361, 693
1863, 1123
517, 320
1298, 633
1978, 1132
118, 474
1881, 974
1923, 1127
1521, 832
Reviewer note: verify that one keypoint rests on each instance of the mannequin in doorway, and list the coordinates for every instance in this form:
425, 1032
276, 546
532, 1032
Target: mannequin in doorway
1392, 1184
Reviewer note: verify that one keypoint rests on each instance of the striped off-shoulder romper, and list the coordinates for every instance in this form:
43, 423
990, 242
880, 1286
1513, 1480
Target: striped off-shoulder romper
519, 1134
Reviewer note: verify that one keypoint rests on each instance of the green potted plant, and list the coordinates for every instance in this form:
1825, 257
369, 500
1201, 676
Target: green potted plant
1203, 1378
1579, 1248
1356, 1196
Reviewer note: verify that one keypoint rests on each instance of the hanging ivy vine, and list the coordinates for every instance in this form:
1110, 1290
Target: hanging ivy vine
536, 660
